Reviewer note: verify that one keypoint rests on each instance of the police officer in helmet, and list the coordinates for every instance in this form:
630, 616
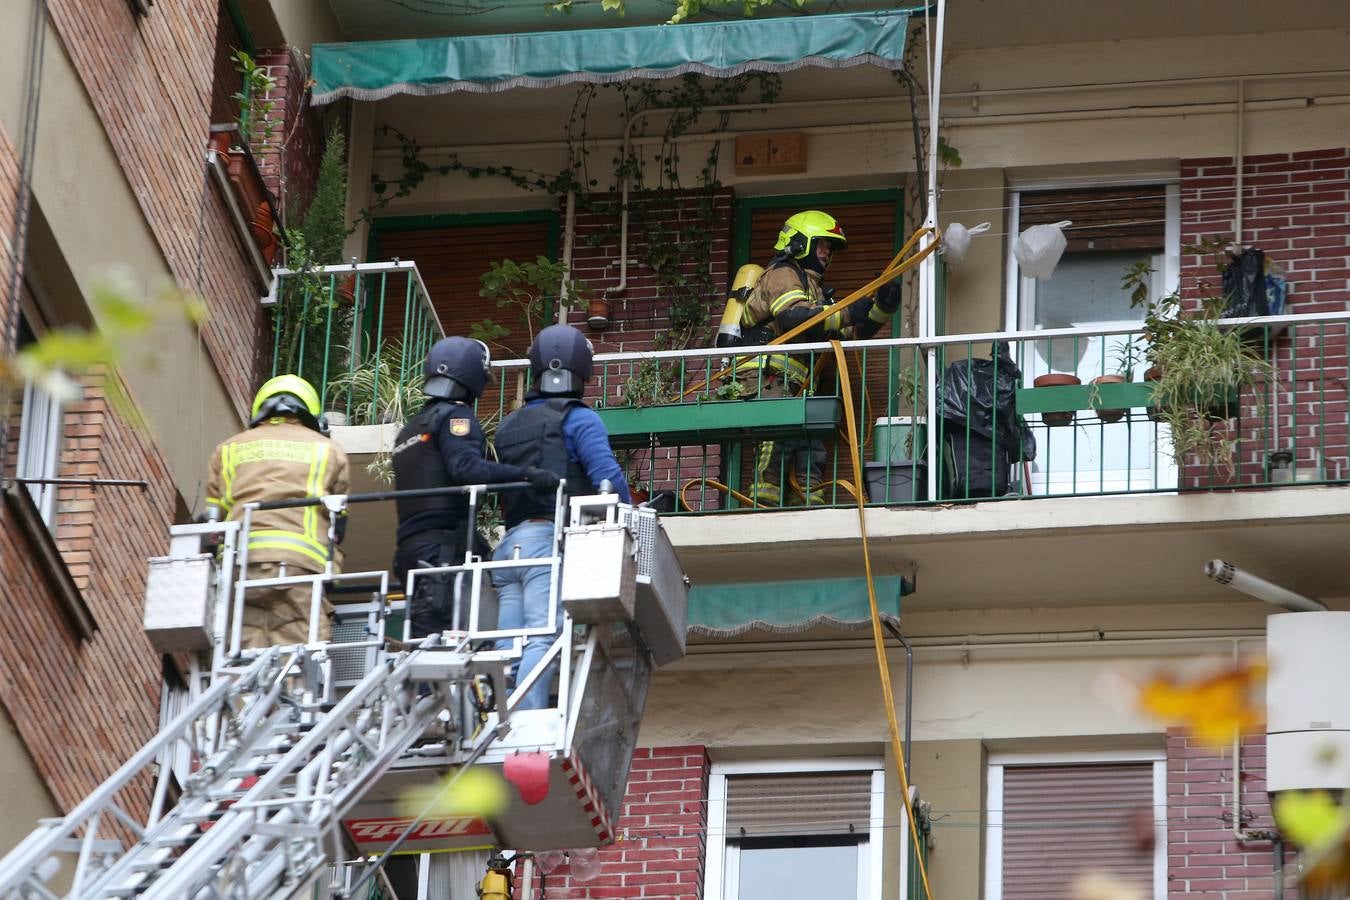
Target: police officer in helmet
559, 433
442, 446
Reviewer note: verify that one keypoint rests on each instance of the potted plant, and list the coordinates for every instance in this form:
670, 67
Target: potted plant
597, 314
312, 315
253, 128
1056, 379
1126, 355
1200, 368
527, 288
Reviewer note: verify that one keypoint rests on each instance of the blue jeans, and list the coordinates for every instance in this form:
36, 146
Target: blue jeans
522, 602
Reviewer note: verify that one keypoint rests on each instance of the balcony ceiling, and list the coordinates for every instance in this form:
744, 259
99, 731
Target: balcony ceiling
1064, 552
973, 24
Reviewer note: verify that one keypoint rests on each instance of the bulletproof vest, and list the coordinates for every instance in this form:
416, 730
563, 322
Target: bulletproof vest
417, 464
533, 436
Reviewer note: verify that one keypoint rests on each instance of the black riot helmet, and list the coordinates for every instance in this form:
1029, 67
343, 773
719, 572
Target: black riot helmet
560, 358
458, 368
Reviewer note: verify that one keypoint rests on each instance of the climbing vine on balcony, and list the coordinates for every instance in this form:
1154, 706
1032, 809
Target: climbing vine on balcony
672, 224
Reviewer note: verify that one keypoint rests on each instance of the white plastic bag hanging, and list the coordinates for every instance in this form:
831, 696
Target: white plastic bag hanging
956, 240
1039, 248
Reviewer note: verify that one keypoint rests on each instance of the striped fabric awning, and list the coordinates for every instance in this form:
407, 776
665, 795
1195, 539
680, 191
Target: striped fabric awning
373, 70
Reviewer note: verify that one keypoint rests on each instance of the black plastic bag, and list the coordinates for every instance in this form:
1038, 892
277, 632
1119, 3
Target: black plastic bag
1244, 286
981, 394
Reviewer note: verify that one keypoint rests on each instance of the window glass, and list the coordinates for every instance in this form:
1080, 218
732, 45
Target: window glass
798, 873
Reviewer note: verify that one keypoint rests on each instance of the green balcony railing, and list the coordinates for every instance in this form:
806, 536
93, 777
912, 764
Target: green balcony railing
358, 333
961, 418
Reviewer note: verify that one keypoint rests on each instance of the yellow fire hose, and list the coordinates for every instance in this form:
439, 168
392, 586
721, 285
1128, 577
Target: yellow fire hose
894, 270
898, 266
883, 666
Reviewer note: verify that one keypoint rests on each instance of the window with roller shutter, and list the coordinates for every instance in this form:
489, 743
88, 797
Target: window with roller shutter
452, 254
794, 830
1051, 819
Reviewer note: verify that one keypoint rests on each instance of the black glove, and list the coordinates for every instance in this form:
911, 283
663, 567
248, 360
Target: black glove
888, 298
542, 479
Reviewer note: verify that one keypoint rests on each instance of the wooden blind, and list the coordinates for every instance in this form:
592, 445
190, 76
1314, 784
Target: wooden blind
452, 262
799, 803
869, 227
1059, 821
1124, 218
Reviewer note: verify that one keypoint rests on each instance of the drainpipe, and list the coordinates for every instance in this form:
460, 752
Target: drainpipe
909, 688
569, 232
1237, 162
928, 268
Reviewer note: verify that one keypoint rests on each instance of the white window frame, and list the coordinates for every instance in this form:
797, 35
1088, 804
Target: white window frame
1017, 284
41, 427
721, 864
993, 807
1167, 278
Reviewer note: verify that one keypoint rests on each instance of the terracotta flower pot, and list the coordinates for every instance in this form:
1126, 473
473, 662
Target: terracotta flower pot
1110, 415
346, 290
219, 141
1056, 379
640, 495
597, 314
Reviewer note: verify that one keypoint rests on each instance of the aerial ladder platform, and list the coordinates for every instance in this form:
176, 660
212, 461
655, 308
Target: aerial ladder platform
288, 770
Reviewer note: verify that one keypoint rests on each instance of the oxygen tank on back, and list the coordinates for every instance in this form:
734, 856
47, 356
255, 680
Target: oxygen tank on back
729, 332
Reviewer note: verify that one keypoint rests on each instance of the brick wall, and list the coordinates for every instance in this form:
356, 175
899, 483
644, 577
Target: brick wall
1203, 858
150, 81
1296, 210
640, 316
661, 834
290, 164
83, 707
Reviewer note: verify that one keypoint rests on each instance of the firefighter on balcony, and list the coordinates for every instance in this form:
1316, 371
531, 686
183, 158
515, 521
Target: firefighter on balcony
787, 294
284, 455
442, 446
556, 431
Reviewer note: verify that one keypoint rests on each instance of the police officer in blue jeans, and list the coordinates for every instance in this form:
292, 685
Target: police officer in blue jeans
442, 446
557, 432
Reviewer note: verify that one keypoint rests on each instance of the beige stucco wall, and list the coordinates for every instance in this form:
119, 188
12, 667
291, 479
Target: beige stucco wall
870, 142
821, 699
26, 798
98, 226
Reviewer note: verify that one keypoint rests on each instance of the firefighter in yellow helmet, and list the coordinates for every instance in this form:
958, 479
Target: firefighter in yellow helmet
789, 293
285, 454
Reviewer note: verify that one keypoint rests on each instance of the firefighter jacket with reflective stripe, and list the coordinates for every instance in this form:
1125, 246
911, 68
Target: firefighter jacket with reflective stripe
279, 459
787, 295
532, 436
443, 445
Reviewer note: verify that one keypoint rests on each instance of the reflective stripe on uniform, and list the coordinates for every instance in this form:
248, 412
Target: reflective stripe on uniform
794, 369
786, 299
314, 488
272, 539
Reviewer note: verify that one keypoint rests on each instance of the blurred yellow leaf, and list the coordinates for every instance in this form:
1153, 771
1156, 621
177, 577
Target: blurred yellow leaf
1310, 819
478, 792
1214, 709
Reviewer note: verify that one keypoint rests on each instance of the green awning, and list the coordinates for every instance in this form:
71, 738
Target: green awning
790, 607
372, 70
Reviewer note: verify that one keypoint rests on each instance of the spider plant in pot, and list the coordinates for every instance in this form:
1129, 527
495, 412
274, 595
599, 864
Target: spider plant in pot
1201, 367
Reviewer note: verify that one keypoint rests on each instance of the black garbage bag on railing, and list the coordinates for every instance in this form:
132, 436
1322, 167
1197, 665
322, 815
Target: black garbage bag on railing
1244, 286
983, 436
